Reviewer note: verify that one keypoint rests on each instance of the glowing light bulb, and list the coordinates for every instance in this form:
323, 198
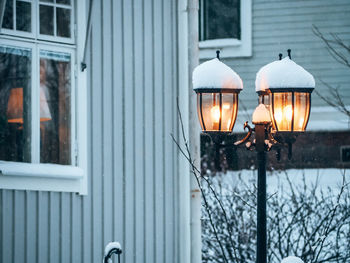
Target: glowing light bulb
278, 115
301, 122
215, 114
288, 112
226, 106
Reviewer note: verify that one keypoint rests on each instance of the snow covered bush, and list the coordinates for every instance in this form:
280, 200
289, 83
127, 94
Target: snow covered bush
303, 220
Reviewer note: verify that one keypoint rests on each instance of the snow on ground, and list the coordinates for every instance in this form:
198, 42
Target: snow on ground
326, 178
292, 259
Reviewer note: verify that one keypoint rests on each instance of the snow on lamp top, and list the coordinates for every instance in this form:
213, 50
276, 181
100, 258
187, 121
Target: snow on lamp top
261, 115
214, 74
283, 73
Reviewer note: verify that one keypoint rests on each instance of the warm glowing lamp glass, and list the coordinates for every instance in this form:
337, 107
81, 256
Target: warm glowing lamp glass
290, 109
217, 111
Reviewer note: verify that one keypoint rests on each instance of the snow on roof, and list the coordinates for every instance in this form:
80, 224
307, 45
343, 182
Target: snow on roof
215, 74
283, 73
261, 114
112, 245
292, 259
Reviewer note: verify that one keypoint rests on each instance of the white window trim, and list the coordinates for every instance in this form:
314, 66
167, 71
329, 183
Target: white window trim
232, 47
18, 32
35, 34
57, 38
55, 177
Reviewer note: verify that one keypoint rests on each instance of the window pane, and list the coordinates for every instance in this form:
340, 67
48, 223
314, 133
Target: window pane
55, 105
23, 16
46, 20
15, 89
220, 19
48, 1
8, 15
65, 2
63, 22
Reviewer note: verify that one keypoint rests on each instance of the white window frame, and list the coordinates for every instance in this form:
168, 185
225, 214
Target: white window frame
19, 33
35, 34
57, 38
53, 177
232, 47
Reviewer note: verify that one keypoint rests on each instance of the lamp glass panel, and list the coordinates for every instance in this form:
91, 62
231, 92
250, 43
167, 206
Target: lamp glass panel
282, 111
217, 111
55, 107
15, 103
301, 110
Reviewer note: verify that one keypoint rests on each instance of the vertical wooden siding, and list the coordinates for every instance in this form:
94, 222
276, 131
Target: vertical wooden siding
132, 89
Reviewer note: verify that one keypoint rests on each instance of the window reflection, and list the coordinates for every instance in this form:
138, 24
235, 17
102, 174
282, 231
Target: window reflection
63, 22
15, 89
8, 15
22, 21
46, 20
23, 16
219, 19
55, 105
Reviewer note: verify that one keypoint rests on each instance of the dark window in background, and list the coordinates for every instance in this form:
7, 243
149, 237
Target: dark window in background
219, 19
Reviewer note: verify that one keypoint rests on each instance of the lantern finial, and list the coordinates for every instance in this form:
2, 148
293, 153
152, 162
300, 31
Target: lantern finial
218, 54
289, 55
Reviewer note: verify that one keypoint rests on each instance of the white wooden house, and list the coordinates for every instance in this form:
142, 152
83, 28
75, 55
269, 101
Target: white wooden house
86, 155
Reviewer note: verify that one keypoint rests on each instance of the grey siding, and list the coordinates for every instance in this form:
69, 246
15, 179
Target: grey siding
132, 198
281, 24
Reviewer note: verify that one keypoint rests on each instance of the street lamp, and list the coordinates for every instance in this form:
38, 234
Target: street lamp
217, 87
284, 90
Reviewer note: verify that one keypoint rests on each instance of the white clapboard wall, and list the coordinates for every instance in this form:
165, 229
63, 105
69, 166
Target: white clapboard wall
132, 161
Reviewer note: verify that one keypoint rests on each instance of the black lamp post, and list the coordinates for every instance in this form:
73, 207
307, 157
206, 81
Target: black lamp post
284, 90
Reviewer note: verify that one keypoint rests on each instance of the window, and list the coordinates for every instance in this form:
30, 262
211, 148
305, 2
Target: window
225, 25
220, 20
40, 129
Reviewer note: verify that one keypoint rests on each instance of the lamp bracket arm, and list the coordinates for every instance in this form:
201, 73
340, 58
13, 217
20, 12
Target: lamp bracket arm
246, 138
275, 140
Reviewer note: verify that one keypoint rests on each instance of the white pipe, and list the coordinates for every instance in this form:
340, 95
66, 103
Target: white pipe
184, 238
194, 133
190, 242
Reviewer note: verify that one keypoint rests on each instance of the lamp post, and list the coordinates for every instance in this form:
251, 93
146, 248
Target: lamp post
284, 90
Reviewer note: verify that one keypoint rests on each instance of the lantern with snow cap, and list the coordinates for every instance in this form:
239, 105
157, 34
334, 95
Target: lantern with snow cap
289, 87
217, 87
